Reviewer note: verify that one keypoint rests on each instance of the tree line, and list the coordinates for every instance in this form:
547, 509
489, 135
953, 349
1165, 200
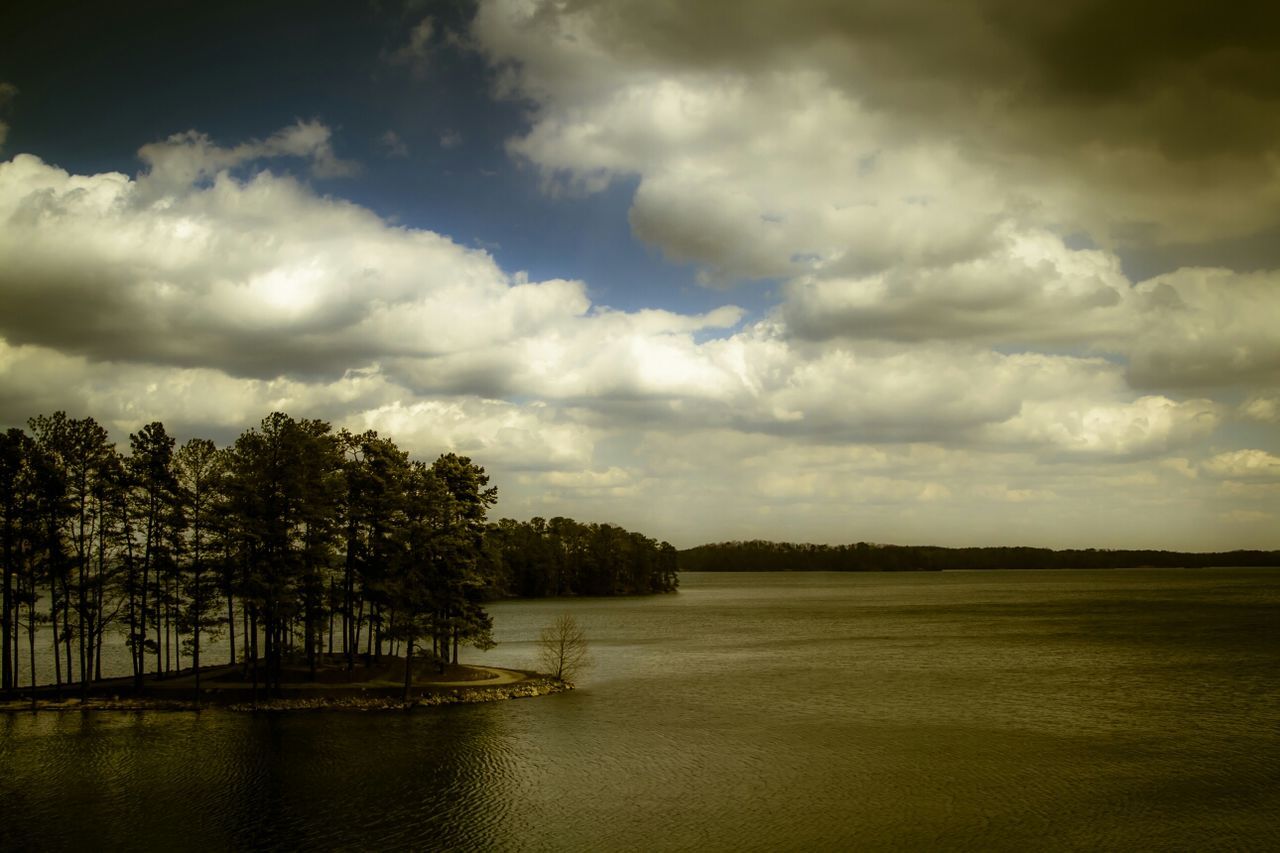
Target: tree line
293, 540
565, 557
762, 556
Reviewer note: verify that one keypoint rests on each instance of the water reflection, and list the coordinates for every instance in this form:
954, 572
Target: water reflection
1115, 710
218, 780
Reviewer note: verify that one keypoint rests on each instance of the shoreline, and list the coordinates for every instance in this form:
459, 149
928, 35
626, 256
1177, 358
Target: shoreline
492, 685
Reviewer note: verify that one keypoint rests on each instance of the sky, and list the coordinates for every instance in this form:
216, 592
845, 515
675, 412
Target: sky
954, 272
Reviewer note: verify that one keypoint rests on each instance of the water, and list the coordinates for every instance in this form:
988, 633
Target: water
990, 711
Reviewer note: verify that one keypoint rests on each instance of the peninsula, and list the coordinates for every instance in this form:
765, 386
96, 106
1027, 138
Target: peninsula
374, 685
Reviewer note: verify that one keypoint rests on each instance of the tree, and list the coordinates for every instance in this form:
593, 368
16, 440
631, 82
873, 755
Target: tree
155, 492
462, 502
198, 466
375, 473
13, 453
282, 488
562, 648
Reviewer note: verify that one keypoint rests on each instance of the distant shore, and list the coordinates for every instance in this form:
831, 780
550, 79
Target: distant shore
375, 686
759, 555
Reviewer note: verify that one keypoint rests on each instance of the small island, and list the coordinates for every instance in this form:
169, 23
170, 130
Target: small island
373, 685
335, 569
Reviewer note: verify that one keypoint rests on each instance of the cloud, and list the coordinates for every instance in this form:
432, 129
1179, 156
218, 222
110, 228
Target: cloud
207, 294
1152, 123
450, 139
1207, 327
1144, 428
494, 432
195, 400
191, 157
927, 171
768, 177
256, 277
1245, 465
1028, 289
263, 279
415, 53
393, 145
1262, 409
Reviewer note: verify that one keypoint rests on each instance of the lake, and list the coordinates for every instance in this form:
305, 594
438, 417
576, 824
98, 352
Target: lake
1122, 710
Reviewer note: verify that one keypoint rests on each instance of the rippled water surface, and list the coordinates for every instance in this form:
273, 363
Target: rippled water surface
997, 710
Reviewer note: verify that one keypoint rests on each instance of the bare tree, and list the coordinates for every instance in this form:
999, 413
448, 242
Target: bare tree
562, 648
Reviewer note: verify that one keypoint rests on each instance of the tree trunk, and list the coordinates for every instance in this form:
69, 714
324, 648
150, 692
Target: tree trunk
368, 654
246, 617
168, 623
9, 678
53, 621
131, 578
312, 628
195, 646
231, 625
82, 602
66, 623
408, 667
251, 651
31, 640
354, 648
99, 591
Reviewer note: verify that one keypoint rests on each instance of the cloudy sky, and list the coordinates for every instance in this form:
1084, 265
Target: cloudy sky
915, 271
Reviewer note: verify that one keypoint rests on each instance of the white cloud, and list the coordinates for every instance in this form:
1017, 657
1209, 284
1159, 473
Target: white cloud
1148, 426
769, 176
263, 278
257, 277
1261, 408
1207, 327
493, 432
975, 108
878, 401
36, 379
1248, 465
187, 158
825, 147
1028, 289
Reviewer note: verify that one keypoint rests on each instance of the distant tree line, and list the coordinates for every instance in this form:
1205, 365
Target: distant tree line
294, 540
564, 557
761, 556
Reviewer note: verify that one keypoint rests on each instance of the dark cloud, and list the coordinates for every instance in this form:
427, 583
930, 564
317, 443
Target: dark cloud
1098, 50
1078, 56
1138, 102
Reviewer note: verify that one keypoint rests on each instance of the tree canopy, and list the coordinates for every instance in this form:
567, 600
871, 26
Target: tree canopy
293, 540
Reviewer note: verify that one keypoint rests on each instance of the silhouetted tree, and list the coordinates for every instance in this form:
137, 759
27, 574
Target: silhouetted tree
198, 466
155, 499
562, 648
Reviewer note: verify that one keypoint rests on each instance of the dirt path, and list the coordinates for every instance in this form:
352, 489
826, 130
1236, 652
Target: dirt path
499, 676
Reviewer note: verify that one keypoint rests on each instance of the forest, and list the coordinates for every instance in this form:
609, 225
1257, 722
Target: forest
294, 541
761, 556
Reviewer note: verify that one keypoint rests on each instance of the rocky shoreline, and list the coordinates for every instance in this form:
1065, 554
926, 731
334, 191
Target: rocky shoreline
455, 696
373, 699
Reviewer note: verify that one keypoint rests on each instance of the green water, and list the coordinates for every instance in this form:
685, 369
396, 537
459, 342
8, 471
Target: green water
1119, 710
